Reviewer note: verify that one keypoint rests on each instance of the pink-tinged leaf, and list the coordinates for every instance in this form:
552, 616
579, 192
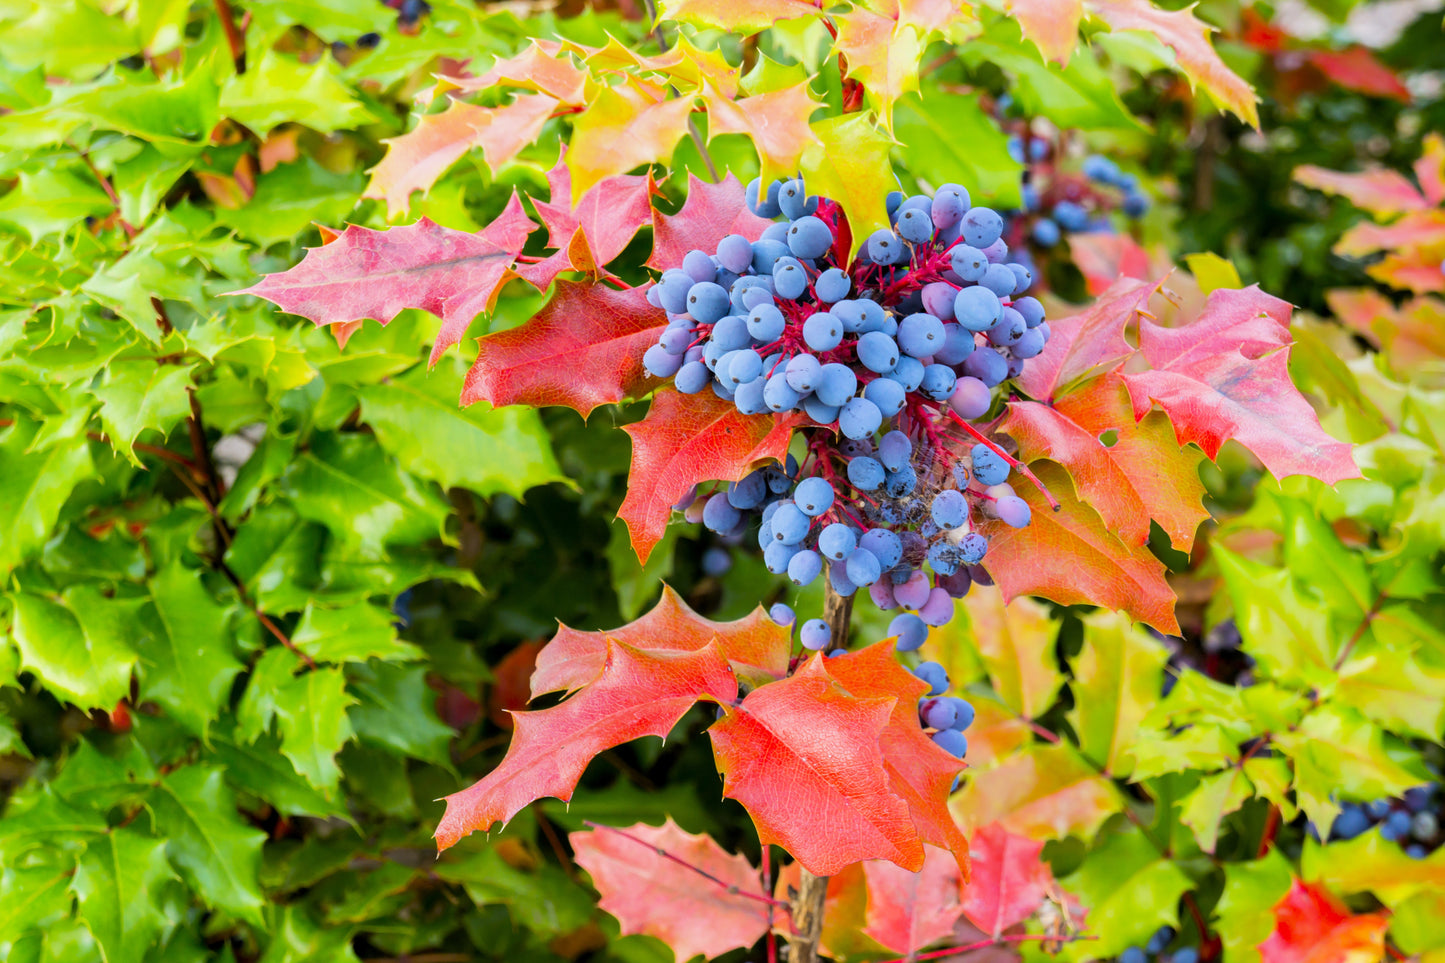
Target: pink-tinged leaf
908, 911
1043, 792
736, 16
1378, 190
1105, 258
583, 349
1415, 229
1010, 879
1051, 24
637, 694
686, 439
1412, 335
542, 67
1430, 169
1088, 341
1142, 473
757, 647
1225, 376
1356, 68
625, 126
1311, 926
1071, 557
377, 274
710, 213
651, 894
415, 160
919, 770
1188, 37
1415, 270
776, 123
589, 234
802, 756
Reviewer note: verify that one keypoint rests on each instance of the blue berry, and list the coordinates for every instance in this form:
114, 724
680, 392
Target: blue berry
815, 635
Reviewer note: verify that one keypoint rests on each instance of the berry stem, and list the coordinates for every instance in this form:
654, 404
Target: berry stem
1017, 465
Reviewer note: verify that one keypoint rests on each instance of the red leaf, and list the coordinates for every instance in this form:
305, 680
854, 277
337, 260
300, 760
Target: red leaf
1104, 258
510, 690
415, 160
1311, 927
802, 756
1225, 376
1430, 168
1071, 557
686, 439
589, 235
377, 274
710, 213
1358, 69
1010, 879
1086, 341
1142, 474
651, 894
757, 647
1377, 189
919, 770
583, 349
637, 694
908, 911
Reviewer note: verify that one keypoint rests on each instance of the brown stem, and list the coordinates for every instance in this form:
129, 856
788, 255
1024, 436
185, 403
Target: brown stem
235, 39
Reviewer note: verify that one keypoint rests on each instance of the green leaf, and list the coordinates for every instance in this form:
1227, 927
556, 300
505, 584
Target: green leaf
352, 486
261, 770
486, 449
1394, 689
1209, 269
1371, 863
636, 584
354, 633
141, 395
851, 164
1200, 746
1080, 95
1246, 907
43, 821
1218, 795
311, 717
33, 487
1318, 559
544, 900
269, 678
947, 137
175, 117
289, 199
34, 897
296, 938
76, 644
282, 89
215, 851
1333, 750
1116, 680
116, 888
188, 661
396, 710
1130, 889
1288, 632
50, 201
71, 38
101, 778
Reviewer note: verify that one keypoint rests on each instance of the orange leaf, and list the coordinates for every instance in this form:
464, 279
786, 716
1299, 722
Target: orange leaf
686, 439
710, 213
919, 770
1414, 229
651, 894
776, 123
1377, 189
757, 647
1224, 376
625, 127
583, 349
736, 16
1010, 880
1069, 556
909, 910
1430, 169
802, 756
1087, 341
1414, 271
415, 160
1016, 643
1045, 792
637, 694
1189, 39
682, 62
542, 67
1312, 927
1141, 474
1051, 24
882, 54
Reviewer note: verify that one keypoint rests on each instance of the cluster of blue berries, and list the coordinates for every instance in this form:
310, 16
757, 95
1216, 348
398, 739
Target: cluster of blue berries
1056, 203
1154, 950
1410, 821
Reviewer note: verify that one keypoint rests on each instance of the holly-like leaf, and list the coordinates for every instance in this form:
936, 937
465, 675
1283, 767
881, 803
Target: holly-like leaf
686, 439
1245, 910
1044, 792
1225, 375
1358, 69
1335, 747
311, 718
415, 160
802, 747
710, 213
1183, 33
217, 853
1216, 796
1071, 557
736, 16
776, 123
116, 887
1116, 681
909, 910
1051, 24
637, 694
1105, 258
1311, 926
1130, 889
851, 163
77, 645
34, 484
882, 54
651, 894
187, 661
625, 126
142, 396
1378, 190
544, 67
376, 274
583, 349
919, 770
1010, 880
1088, 341
1139, 473
1015, 641
755, 645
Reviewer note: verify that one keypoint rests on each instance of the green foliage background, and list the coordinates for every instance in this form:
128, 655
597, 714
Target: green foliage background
187, 479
